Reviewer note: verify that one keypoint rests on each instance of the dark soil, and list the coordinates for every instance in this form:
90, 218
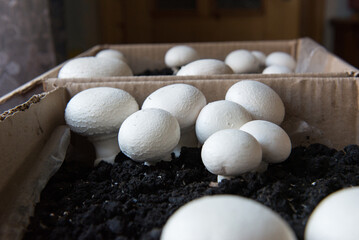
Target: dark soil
164, 71
128, 200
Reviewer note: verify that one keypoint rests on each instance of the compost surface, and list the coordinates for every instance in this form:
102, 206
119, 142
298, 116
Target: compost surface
129, 200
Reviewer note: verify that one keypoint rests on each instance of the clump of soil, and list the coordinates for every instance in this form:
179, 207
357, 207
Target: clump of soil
163, 71
128, 200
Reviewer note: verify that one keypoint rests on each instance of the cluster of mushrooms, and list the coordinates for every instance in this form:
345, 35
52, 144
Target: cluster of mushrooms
239, 134
184, 61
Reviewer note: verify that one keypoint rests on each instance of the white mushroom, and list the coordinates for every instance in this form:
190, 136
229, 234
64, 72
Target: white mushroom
281, 59
149, 135
231, 152
275, 142
276, 69
184, 102
205, 67
112, 53
90, 67
179, 56
242, 61
220, 115
226, 217
261, 101
335, 217
261, 57
98, 113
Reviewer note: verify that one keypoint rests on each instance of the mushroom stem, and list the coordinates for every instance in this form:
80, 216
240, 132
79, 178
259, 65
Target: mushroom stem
221, 177
106, 147
175, 70
188, 139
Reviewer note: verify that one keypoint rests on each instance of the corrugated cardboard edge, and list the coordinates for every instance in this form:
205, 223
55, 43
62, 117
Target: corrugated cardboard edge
23, 137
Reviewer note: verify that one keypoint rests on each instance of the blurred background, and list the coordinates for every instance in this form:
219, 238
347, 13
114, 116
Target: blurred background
36, 35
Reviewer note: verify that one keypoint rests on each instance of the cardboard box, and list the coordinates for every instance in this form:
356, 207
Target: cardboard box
320, 108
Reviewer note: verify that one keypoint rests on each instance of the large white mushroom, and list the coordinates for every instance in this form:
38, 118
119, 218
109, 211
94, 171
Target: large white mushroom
111, 53
242, 61
226, 217
149, 135
231, 152
261, 101
179, 56
184, 102
98, 113
335, 217
281, 59
220, 115
90, 67
205, 67
275, 142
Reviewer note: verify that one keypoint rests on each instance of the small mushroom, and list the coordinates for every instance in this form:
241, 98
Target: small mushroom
112, 53
226, 217
242, 61
261, 57
149, 135
335, 217
261, 101
281, 59
220, 115
205, 67
276, 69
184, 102
275, 142
231, 152
179, 56
98, 113
90, 67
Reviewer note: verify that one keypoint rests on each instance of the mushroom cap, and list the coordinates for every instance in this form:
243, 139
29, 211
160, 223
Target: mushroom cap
335, 217
99, 111
183, 101
242, 61
205, 67
180, 55
220, 115
148, 135
226, 217
276, 69
89, 67
261, 57
112, 53
231, 152
261, 101
275, 142
282, 59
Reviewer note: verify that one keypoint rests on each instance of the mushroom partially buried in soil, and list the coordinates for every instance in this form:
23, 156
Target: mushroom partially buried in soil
335, 217
184, 102
226, 217
231, 152
205, 67
179, 56
220, 115
98, 113
261, 101
90, 67
149, 135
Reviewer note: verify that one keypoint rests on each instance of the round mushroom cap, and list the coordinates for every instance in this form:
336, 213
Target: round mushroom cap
261, 101
242, 61
231, 152
99, 111
281, 59
183, 101
261, 57
148, 135
112, 53
90, 67
276, 69
205, 67
335, 217
180, 55
226, 217
275, 142
220, 115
